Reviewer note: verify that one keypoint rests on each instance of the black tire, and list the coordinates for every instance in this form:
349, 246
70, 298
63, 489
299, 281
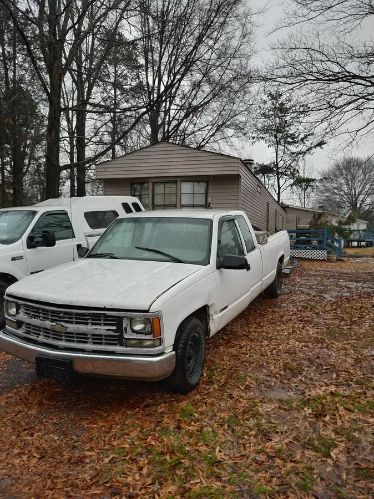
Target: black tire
275, 288
189, 349
3, 285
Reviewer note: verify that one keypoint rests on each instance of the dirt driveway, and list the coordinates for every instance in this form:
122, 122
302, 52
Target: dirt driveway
285, 409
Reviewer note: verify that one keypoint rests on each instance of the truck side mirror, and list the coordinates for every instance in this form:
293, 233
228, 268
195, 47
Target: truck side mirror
233, 262
82, 251
48, 239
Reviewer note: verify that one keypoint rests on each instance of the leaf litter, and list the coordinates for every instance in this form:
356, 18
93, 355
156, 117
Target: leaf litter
285, 409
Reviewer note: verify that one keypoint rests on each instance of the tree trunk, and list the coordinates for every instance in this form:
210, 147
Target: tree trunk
154, 125
81, 152
17, 172
52, 171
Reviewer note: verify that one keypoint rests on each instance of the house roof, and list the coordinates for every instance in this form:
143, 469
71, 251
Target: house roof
311, 210
169, 143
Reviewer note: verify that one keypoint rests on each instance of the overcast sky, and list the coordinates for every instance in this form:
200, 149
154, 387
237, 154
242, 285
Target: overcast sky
273, 13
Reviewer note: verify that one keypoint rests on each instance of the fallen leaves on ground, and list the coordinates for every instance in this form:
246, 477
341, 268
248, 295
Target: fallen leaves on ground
284, 409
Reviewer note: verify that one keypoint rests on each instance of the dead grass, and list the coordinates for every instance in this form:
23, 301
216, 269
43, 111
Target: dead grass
359, 252
284, 409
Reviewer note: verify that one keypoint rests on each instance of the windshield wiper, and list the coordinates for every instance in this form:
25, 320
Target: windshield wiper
159, 252
103, 255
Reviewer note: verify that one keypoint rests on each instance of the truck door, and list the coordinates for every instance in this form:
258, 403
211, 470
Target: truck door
235, 288
42, 258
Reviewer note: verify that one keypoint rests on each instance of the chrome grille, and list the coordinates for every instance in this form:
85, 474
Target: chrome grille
73, 337
67, 329
63, 316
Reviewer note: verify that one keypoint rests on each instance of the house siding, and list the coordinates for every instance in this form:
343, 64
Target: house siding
224, 192
260, 206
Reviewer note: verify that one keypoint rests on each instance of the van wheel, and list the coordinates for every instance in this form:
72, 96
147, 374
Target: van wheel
3, 286
190, 352
275, 288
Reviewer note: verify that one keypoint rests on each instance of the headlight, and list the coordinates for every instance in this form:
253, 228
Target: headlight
10, 308
141, 325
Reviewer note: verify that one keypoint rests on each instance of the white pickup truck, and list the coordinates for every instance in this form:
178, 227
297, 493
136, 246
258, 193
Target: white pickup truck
142, 302
35, 238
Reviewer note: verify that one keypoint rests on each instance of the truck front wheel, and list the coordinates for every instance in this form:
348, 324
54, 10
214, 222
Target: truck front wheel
189, 349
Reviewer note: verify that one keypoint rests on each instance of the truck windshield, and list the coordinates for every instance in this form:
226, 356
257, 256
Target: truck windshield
13, 224
163, 239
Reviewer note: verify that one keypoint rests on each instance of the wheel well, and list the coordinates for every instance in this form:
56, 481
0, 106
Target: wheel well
203, 315
281, 259
10, 279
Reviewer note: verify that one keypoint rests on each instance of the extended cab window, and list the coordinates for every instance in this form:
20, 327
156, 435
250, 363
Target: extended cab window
57, 222
100, 219
229, 242
136, 207
246, 233
127, 207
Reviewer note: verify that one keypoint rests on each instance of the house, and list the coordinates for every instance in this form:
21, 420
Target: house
358, 224
166, 175
299, 217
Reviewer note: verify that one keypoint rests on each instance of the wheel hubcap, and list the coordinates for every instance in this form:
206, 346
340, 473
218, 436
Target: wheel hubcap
193, 354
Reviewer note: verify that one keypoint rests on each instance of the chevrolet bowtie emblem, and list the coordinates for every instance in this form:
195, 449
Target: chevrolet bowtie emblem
59, 328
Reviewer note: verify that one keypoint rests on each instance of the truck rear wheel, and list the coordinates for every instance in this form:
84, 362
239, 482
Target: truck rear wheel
275, 288
189, 349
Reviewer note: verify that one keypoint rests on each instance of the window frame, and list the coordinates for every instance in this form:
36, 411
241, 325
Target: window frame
254, 247
164, 206
53, 212
141, 195
99, 211
193, 205
222, 220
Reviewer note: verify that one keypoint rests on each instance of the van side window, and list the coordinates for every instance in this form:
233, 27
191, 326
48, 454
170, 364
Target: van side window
127, 207
100, 219
246, 233
229, 242
57, 222
136, 207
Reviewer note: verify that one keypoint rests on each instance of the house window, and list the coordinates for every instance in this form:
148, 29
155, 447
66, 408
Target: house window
194, 194
141, 191
164, 195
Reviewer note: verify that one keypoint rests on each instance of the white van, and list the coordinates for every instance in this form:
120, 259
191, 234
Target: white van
35, 238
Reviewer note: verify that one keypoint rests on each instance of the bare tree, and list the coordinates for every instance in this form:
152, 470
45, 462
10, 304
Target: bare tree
349, 185
59, 28
196, 78
21, 120
333, 67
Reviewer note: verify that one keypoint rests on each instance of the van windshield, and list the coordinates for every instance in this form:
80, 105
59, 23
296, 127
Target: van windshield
13, 224
161, 239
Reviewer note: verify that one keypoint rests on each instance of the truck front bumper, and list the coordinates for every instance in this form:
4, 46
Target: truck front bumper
147, 368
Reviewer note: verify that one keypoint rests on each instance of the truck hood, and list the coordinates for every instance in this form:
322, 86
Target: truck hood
122, 284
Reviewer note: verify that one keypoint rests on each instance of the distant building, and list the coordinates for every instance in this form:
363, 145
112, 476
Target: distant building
167, 175
298, 217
